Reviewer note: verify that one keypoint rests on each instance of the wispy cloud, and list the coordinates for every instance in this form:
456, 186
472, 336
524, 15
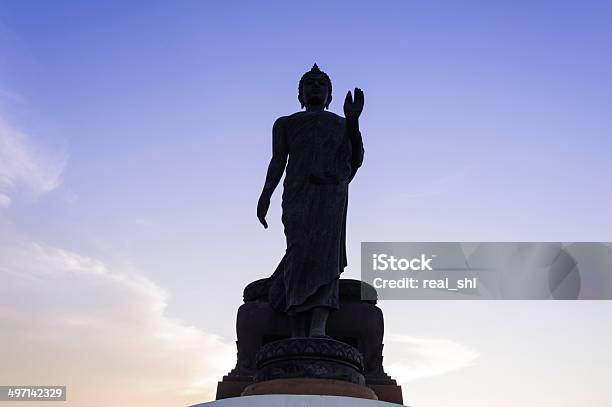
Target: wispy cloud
24, 166
416, 358
71, 319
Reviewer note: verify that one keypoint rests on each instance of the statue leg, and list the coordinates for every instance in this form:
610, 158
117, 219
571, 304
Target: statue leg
318, 321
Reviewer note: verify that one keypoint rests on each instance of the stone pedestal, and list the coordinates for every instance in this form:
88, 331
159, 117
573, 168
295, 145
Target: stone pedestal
320, 366
321, 387
319, 358
358, 323
292, 400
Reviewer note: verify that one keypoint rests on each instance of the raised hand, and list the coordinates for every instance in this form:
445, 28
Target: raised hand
353, 108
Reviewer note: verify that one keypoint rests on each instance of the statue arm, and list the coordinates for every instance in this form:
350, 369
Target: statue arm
352, 111
278, 161
275, 170
354, 135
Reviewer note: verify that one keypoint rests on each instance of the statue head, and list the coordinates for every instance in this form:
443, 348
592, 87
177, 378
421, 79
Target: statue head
315, 88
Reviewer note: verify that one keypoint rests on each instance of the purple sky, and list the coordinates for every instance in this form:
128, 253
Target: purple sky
134, 139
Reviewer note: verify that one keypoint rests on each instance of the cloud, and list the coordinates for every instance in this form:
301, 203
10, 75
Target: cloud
24, 166
71, 319
416, 358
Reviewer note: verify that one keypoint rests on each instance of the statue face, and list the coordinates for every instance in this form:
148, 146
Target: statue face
315, 90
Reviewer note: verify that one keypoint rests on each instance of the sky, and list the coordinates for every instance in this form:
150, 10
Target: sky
134, 140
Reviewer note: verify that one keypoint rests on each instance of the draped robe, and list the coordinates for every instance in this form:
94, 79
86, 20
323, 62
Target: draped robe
321, 164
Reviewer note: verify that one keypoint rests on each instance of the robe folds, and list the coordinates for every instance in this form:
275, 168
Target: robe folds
321, 163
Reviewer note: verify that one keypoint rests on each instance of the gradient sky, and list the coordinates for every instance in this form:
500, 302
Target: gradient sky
134, 139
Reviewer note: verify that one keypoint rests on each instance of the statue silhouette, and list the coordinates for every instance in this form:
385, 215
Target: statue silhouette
321, 152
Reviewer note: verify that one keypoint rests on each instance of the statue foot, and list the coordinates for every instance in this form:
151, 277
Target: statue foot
318, 322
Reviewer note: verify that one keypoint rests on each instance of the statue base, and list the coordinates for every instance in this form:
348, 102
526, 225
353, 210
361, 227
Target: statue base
317, 358
309, 386
296, 400
358, 322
